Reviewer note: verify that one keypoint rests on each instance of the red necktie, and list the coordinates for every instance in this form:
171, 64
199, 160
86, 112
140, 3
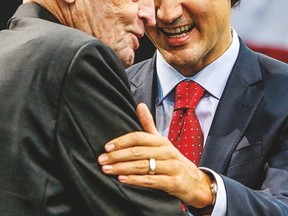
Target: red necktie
185, 131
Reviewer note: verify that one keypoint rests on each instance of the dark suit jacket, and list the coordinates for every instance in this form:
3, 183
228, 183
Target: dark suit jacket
248, 140
63, 95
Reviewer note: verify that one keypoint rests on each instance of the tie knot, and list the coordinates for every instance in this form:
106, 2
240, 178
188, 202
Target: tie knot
187, 95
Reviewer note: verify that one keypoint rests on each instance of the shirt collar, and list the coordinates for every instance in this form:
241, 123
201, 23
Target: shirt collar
212, 78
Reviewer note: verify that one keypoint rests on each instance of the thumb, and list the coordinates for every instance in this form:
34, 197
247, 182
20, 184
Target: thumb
146, 119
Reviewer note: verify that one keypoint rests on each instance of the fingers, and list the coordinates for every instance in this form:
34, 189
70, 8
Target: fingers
159, 182
138, 153
124, 155
146, 119
149, 138
133, 139
140, 167
137, 138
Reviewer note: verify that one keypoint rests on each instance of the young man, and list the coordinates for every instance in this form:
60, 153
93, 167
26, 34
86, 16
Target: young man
242, 115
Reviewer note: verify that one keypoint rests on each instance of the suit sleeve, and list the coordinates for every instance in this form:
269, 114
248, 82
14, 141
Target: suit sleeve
95, 107
272, 197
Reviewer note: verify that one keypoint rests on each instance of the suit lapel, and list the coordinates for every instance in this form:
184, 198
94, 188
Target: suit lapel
143, 80
236, 108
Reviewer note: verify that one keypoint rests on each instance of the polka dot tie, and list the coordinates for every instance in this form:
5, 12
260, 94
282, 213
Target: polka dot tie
185, 131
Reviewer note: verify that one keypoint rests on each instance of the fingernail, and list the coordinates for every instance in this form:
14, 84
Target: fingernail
109, 147
122, 178
102, 159
107, 168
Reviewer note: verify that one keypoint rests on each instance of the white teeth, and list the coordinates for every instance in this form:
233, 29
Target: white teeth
178, 36
177, 30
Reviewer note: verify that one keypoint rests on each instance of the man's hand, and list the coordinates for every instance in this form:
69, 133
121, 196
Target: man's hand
128, 157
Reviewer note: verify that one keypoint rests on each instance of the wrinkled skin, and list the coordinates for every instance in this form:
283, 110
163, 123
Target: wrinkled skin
118, 23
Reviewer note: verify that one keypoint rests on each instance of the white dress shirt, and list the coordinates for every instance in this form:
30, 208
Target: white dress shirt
213, 79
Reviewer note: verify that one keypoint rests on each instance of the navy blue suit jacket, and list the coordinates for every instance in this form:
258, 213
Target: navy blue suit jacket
248, 140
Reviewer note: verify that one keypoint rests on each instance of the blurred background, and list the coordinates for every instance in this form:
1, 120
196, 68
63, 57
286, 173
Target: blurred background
262, 24
7, 9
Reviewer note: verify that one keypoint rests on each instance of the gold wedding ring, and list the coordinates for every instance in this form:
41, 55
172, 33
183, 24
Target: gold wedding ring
152, 166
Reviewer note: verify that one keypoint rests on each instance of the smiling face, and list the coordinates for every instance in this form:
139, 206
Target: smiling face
118, 23
191, 34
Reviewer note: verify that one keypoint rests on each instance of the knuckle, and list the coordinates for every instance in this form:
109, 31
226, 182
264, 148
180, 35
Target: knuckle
136, 152
136, 136
141, 165
149, 181
177, 181
170, 151
111, 157
173, 184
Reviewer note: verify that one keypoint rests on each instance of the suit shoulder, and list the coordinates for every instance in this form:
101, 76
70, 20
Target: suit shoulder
140, 67
64, 36
59, 41
275, 77
272, 65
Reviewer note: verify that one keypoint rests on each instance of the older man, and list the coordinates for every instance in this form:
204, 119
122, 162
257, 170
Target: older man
64, 93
